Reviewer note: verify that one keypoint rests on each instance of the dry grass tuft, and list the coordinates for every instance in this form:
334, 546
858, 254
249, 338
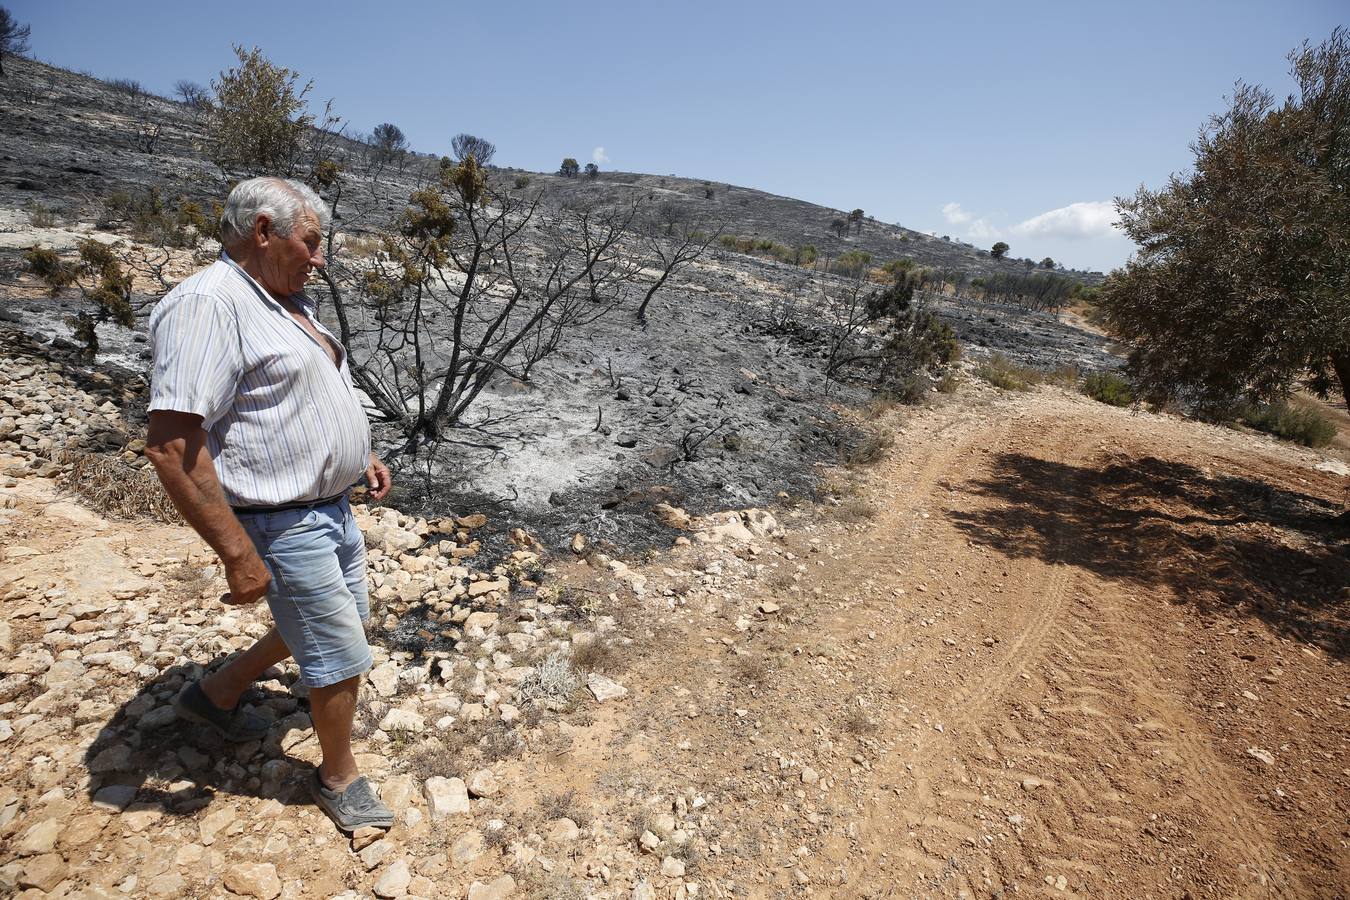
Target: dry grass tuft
116, 490
597, 655
855, 510
870, 448
858, 722
553, 679
564, 806
753, 669
187, 581
433, 756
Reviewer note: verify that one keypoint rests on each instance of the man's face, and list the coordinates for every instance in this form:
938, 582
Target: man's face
287, 261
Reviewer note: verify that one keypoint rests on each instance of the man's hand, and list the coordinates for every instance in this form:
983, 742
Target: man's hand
378, 478
248, 579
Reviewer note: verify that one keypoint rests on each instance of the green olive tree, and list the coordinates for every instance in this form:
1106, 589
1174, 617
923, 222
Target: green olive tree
1241, 282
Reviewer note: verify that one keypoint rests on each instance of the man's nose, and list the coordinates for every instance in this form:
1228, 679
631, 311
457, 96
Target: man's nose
317, 260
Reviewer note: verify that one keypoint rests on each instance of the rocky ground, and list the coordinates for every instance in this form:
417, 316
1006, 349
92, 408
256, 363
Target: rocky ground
1044, 647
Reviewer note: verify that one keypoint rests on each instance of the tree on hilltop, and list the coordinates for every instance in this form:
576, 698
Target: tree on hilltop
592, 170
13, 37
999, 250
855, 219
1240, 286
569, 168
390, 141
466, 145
1047, 263
192, 93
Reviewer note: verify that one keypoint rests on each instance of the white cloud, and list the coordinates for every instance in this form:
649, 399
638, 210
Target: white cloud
981, 230
955, 215
598, 156
970, 226
1093, 219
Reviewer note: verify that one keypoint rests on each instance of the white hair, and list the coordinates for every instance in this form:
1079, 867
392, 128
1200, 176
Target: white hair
282, 200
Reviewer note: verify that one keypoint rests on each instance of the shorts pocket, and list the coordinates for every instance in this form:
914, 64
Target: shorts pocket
292, 521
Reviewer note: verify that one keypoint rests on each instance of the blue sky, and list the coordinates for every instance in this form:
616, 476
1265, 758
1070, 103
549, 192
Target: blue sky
985, 121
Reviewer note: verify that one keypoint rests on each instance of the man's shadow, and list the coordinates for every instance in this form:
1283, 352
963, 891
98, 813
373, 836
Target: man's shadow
146, 755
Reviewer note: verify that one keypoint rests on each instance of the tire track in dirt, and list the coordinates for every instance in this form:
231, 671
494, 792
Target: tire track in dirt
1030, 613
1103, 678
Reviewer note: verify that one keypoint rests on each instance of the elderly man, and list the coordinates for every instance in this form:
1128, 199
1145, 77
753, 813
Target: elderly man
257, 433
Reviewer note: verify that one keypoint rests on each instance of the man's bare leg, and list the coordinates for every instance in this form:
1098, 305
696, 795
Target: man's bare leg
224, 686
332, 709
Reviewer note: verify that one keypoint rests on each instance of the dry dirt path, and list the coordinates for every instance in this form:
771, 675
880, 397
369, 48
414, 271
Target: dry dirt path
1076, 652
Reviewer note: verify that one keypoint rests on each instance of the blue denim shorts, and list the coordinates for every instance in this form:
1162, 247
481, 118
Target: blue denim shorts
318, 596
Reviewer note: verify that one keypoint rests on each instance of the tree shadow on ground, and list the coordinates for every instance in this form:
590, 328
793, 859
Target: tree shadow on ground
1222, 543
147, 757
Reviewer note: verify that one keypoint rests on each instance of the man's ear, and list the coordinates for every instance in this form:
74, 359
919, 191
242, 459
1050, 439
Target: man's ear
262, 231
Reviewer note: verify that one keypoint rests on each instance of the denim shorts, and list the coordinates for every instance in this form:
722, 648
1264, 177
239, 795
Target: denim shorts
318, 596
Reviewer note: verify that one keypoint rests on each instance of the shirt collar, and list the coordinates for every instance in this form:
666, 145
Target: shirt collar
300, 299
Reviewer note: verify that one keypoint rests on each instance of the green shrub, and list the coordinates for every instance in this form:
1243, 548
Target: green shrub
804, 255
152, 220
1006, 375
1108, 387
895, 266
852, 262
522, 182
47, 265
1300, 422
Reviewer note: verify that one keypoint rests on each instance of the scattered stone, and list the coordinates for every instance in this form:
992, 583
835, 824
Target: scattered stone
394, 880
365, 836
483, 783
672, 867
375, 853
671, 516
466, 848
768, 607
1031, 783
43, 872
253, 879
116, 758
603, 688
40, 838
445, 796
1264, 756
479, 588
114, 797
497, 889
563, 831
402, 720
384, 678
809, 775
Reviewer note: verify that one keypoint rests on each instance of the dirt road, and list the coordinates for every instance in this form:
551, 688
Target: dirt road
1076, 651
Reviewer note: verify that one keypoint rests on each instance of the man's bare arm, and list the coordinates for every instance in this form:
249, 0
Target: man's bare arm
176, 445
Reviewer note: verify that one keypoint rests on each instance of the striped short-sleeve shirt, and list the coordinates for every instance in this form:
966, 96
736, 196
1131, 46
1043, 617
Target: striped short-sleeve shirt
283, 423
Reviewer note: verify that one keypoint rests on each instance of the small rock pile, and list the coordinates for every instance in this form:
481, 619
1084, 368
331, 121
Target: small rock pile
44, 411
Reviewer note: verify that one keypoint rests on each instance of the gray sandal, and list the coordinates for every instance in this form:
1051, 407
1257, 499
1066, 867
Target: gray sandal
353, 808
235, 725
